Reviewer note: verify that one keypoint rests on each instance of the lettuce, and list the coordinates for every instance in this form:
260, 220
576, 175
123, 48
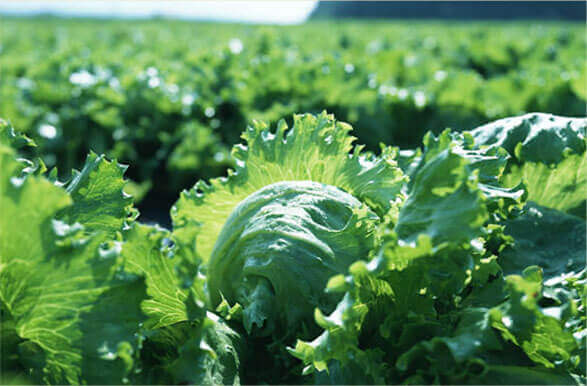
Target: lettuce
297, 210
83, 287
462, 262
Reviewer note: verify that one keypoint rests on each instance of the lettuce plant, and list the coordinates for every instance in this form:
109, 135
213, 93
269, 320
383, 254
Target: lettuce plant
462, 262
297, 210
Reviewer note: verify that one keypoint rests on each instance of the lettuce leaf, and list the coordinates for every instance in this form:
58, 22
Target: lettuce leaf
59, 280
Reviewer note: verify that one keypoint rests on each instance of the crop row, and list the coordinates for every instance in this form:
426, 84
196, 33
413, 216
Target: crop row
170, 98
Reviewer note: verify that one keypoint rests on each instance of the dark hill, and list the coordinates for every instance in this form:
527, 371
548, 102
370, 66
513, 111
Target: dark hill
463, 10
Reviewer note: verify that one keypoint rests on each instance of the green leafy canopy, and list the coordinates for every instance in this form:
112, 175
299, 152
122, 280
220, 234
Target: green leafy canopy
462, 262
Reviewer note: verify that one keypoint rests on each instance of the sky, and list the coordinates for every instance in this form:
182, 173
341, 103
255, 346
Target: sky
274, 12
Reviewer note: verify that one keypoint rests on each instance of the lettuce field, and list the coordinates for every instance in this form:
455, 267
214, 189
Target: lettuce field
328, 203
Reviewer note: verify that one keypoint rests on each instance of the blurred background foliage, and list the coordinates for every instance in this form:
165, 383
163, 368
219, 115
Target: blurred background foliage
170, 98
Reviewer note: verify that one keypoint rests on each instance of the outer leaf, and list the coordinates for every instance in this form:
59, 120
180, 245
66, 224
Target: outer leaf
183, 343
535, 137
210, 356
545, 237
9, 137
55, 288
547, 153
454, 189
521, 320
204, 352
562, 186
97, 191
444, 202
145, 253
315, 149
